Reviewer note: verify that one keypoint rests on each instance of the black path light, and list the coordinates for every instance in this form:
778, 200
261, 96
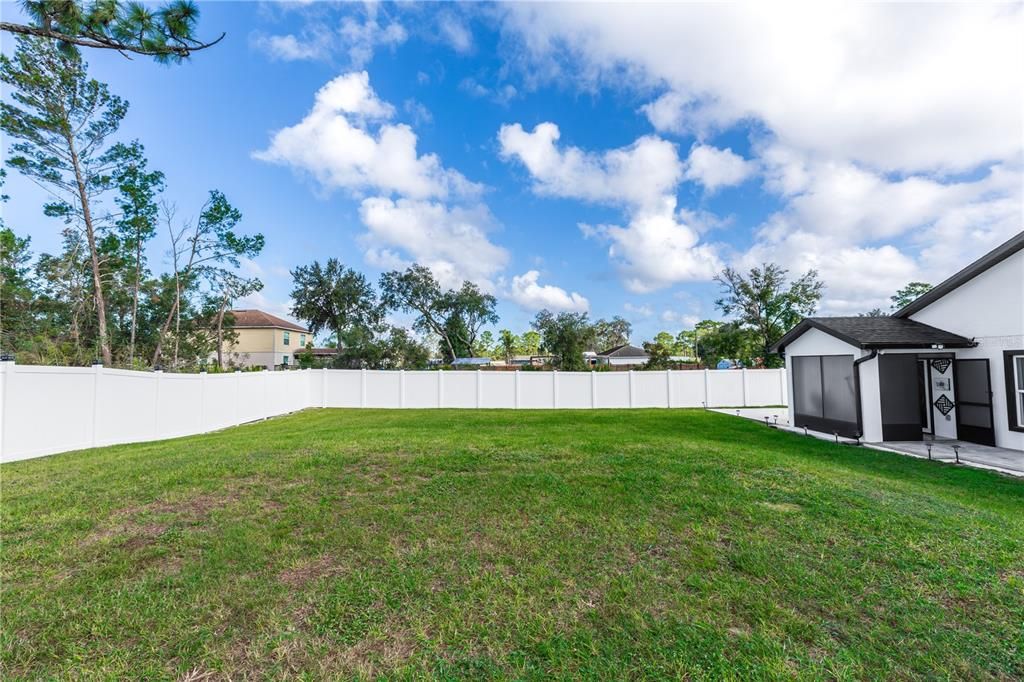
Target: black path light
929, 446
956, 453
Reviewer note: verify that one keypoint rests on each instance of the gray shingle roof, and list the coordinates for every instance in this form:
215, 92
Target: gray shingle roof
624, 351
877, 332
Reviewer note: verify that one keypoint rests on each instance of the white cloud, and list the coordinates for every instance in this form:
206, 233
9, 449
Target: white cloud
337, 144
357, 38
714, 168
657, 248
642, 310
455, 32
451, 241
681, 319
898, 86
362, 38
637, 175
500, 95
289, 48
532, 296
421, 211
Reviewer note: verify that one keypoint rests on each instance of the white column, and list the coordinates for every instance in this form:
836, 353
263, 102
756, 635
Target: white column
593, 389
783, 386
707, 387
401, 388
323, 387
517, 389
440, 388
97, 370
479, 386
554, 389
668, 386
362, 387
631, 388
743, 381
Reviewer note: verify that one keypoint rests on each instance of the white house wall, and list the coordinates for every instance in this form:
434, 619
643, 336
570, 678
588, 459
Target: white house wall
989, 309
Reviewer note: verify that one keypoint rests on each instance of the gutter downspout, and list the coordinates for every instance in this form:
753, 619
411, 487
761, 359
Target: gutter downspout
856, 387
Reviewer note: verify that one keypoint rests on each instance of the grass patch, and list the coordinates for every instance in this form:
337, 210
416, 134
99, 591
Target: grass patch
499, 544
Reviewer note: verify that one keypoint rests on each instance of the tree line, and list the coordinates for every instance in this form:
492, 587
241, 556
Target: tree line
97, 297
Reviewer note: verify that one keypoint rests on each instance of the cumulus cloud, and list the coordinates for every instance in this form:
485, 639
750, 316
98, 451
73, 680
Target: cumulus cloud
451, 241
894, 86
890, 133
345, 142
715, 168
640, 174
419, 211
656, 249
529, 294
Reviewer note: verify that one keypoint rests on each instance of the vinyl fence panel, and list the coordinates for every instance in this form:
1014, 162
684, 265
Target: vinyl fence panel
45, 410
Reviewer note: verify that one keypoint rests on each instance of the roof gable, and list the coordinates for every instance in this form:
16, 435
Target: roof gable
624, 350
257, 319
990, 259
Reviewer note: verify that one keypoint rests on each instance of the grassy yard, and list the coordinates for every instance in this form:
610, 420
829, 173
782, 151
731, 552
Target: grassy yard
453, 544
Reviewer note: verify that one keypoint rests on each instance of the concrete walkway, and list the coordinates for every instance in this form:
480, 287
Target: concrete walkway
1003, 460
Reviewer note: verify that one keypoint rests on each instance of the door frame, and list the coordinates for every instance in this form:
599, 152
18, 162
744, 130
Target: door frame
925, 366
970, 433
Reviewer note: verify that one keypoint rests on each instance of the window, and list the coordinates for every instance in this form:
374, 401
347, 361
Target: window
1013, 366
287, 338
284, 360
302, 340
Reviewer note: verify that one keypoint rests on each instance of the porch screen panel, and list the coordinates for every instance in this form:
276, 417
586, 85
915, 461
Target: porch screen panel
972, 387
807, 386
840, 399
975, 415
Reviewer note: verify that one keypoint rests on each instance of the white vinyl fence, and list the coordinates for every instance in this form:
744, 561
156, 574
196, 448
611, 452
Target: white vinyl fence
45, 410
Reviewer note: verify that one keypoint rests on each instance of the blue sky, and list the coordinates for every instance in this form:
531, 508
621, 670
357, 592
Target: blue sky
605, 158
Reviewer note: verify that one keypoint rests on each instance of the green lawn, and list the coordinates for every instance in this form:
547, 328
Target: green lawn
489, 544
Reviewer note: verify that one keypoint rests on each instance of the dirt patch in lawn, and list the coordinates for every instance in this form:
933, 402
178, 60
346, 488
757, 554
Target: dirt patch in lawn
784, 507
308, 571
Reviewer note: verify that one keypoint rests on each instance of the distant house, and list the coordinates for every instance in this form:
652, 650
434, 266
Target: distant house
471, 362
948, 365
624, 355
265, 340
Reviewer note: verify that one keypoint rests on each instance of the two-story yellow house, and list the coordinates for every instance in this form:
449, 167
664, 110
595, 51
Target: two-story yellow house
265, 340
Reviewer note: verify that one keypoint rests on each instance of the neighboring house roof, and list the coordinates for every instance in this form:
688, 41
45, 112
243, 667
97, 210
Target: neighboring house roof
996, 255
257, 319
323, 352
877, 332
624, 351
471, 361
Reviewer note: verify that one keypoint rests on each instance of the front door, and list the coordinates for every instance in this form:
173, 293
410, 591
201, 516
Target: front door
973, 386
899, 379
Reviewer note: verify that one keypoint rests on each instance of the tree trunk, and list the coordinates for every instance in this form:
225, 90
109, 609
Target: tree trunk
163, 332
101, 307
220, 331
135, 300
